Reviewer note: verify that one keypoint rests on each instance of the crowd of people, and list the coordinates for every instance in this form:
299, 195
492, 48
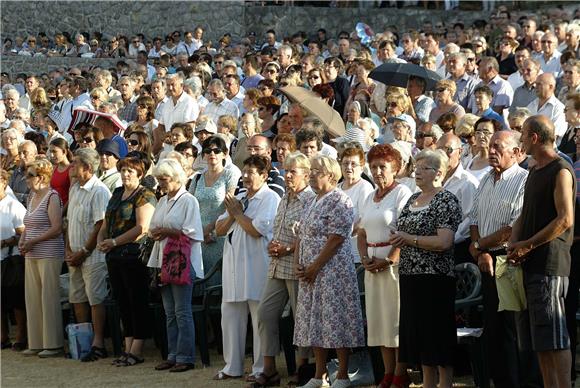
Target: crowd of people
196, 158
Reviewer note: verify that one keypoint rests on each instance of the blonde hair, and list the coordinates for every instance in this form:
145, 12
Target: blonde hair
329, 166
447, 84
434, 158
466, 125
102, 93
297, 159
172, 168
42, 168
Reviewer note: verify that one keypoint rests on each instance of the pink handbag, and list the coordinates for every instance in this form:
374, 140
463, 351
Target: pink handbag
176, 267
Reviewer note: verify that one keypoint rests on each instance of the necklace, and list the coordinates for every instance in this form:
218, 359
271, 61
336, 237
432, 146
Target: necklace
379, 197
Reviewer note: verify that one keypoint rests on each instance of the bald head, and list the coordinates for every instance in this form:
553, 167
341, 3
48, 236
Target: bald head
545, 86
503, 150
449, 140
451, 145
538, 130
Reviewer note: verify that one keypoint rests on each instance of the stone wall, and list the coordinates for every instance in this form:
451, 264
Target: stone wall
39, 65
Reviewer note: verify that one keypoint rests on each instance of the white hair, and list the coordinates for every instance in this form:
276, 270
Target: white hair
172, 168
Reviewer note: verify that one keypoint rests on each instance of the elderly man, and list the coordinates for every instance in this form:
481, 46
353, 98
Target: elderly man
219, 104
573, 39
78, 89
159, 95
463, 185
31, 85
179, 108
540, 242
88, 201
233, 91
550, 59
260, 145
457, 68
285, 57
503, 93
526, 93
104, 79
108, 151
387, 53
571, 79
548, 105
517, 79
27, 152
496, 207
126, 86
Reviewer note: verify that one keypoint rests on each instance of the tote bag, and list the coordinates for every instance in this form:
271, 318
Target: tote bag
176, 268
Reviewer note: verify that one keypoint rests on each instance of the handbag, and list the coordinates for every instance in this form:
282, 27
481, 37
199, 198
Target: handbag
80, 338
176, 268
12, 270
360, 369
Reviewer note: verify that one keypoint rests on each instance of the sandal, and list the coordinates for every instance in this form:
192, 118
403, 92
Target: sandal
120, 360
18, 346
165, 365
222, 376
95, 354
262, 380
132, 360
182, 367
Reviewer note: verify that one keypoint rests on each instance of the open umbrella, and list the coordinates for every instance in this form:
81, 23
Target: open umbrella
397, 74
316, 106
85, 115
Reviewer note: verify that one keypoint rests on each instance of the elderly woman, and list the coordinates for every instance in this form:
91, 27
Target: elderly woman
211, 188
10, 141
90, 136
99, 96
126, 221
146, 114
43, 247
177, 216
248, 223
248, 128
12, 215
352, 163
378, 217
328, 311
355, 111
444, 92
282, 284
425, 230
484, 130
466, 132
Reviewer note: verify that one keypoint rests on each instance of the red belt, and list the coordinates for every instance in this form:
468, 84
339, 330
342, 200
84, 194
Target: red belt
378, 245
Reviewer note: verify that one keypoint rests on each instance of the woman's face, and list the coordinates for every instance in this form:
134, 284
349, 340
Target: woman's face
142, 112
282, 150
318, 178
483, 134
213, 155
10, 142
167, 184
11, 102
252, 179
424, 174
572, 115
443, 95
430, 65
382, 172
129, 177
247, 103
330, 71
296, 178
108, 161
351, 167
133, 143
57, 154
505, 48
361, 72
353, 114
33, 181
88, 141
248, 126
394, 108
177, 136
284, 125
400, 130
314, 78
3, 185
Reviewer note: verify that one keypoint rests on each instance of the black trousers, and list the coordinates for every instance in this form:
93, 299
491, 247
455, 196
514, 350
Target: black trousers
130, 285
571, 303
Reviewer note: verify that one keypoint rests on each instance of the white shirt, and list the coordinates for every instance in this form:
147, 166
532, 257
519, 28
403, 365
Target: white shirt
463, 185
134, 51
184, 111
238, 99
226, 107
180, 212
330, 151
12, 214
159, 108
516, 80
358, 195
188, 49
552, 65
245, 258
554, 110
86, 206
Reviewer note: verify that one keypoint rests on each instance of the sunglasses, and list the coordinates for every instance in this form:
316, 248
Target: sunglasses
393, 104
87, 140
215, 151
471, 59
187, 154
133, 142
422, 135
218, 62
94, 97
30, 175
314, 77
440, 90
135, 41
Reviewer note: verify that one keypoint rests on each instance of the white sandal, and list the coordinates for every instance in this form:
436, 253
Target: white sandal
312, 383
341, 383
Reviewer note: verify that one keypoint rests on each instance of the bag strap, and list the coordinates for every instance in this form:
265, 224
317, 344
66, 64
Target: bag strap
195, 181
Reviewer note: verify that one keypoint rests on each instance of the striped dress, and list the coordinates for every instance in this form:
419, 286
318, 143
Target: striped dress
36, 222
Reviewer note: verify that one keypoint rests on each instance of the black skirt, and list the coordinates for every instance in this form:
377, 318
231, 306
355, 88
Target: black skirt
427, 332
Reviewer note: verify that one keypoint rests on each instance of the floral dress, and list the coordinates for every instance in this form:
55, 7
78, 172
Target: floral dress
328, 312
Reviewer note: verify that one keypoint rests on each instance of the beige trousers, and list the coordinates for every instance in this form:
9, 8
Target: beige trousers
42, 295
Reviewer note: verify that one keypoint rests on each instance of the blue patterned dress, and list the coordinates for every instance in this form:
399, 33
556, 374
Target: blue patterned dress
328, 312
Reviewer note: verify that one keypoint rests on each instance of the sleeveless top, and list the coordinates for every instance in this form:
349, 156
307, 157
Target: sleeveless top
36, 222
539, 210
60, 181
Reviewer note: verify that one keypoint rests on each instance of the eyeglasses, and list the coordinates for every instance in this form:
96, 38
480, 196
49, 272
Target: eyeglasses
133, 142
440, 90
471, 59
30, 175
94, 97
350, 164
422, 135
215, 151
135, 41
186, 154
449, 150
393, 104
107, 153
218, 62
314, 77
421, 168
483, 133
87, 140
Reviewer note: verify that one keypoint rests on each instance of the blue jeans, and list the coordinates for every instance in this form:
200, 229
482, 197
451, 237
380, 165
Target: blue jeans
180, 327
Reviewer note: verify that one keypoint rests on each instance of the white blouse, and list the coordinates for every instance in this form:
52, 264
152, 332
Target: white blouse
246, 259
11, 217
358, 194
180, 212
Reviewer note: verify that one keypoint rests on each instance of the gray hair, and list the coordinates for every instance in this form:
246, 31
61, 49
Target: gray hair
89, 157
160, 81
435, 159
520, 113
178, 76
19, 126
217, 82
460, 57
13, 131
10, 91
194, 84
314, 124
172, 168
130, 79
23, 113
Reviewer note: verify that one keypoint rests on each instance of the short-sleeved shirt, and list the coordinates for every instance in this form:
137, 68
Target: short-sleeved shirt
11, 217
121, 214
443, 212
87, 205
184, 111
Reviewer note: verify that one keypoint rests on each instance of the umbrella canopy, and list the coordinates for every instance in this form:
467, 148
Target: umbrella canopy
85, 115
316, 106
397, 74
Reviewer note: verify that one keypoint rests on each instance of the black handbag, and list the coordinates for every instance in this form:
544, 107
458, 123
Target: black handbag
12, 270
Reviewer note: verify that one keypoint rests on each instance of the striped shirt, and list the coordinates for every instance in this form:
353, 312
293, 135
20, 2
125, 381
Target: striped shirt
87, 205
275, 182
225, 107
36, 223
498, 203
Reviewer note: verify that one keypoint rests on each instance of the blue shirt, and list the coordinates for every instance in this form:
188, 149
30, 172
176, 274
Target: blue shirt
493, 115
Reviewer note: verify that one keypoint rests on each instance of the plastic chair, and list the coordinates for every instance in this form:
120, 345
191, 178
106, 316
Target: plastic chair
468, 296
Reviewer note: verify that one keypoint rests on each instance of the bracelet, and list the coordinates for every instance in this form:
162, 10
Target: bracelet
85, 250
416, 241
114, 242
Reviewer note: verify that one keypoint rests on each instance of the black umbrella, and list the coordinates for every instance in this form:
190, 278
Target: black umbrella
397, 74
